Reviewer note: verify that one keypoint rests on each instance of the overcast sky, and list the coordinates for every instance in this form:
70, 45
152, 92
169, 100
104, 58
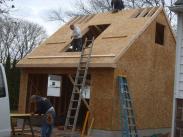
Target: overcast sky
37, 11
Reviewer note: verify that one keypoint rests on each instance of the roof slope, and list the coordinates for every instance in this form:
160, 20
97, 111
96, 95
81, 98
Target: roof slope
125, 27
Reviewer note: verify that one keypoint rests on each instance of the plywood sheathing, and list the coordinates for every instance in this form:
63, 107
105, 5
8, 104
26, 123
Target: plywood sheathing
101, 102
150, 70
112, 41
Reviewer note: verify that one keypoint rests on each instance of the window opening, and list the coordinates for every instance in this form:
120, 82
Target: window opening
159, 36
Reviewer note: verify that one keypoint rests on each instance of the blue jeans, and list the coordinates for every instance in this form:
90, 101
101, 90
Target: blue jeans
46, 129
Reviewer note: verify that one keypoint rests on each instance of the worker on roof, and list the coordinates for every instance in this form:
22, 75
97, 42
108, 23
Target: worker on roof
43, 106
117, 5
77, 38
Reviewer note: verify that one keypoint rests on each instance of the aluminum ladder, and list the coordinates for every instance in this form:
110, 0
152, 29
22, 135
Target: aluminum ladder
127, 115
78, 87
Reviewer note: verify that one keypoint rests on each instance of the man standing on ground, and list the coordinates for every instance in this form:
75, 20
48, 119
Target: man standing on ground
43, 106
117, 5
77, 38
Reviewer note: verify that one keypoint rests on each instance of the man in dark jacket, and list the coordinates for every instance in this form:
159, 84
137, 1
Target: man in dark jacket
43, 106
117, 5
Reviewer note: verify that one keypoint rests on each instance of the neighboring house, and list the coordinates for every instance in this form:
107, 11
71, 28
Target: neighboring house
177, 121
136, 43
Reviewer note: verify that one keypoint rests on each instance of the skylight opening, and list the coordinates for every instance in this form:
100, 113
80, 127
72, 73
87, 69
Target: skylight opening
93, 31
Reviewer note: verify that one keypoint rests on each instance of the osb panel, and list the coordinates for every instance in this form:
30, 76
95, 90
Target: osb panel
102, 97
121, 24
150, 72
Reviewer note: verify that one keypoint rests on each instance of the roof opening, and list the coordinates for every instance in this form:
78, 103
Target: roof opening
93, 31
159, 36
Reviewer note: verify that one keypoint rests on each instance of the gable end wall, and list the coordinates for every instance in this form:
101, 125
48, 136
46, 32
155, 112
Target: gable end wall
149, 69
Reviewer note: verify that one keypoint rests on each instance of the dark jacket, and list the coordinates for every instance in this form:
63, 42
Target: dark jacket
43, 105
117, 4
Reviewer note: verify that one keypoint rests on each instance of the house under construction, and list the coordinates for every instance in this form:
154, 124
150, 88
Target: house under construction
137, 43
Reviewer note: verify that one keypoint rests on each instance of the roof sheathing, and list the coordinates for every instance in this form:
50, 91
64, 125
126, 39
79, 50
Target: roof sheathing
107, 49
135, 37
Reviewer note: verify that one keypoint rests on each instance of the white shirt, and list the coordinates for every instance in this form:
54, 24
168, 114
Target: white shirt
76, 34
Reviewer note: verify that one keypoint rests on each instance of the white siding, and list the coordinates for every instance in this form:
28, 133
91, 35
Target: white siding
179, 61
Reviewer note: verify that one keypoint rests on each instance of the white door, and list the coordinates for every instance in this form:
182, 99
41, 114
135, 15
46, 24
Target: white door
4, 105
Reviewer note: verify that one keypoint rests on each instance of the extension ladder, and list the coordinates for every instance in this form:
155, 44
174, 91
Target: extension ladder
79, 83
127, 114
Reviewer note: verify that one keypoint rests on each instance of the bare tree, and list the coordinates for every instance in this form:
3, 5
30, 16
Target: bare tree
56, 15
18, 38
5, 6
82, 7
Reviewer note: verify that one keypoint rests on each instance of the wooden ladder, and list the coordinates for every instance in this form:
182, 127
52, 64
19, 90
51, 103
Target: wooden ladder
78, 86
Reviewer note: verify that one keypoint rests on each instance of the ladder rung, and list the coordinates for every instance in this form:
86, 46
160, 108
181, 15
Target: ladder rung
71, 117
87, 47
128, 108
133, 134
82, 62
128, 100
75, 100
73, 109
81, 70
131, 117
90, 40
76, 92
85, 55
78, 84
131, 125
70, 126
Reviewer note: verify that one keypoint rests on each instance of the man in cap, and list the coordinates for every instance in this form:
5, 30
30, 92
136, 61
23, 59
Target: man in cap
43, 106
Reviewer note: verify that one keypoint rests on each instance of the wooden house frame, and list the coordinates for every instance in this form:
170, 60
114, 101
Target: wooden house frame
130, 45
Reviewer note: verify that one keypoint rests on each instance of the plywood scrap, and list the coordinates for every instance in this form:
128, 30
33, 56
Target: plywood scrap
69, 56
113, 37
62, 42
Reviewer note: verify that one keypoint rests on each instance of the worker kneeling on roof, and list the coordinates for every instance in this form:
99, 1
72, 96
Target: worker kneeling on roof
117, 5
77, 38
43, 106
